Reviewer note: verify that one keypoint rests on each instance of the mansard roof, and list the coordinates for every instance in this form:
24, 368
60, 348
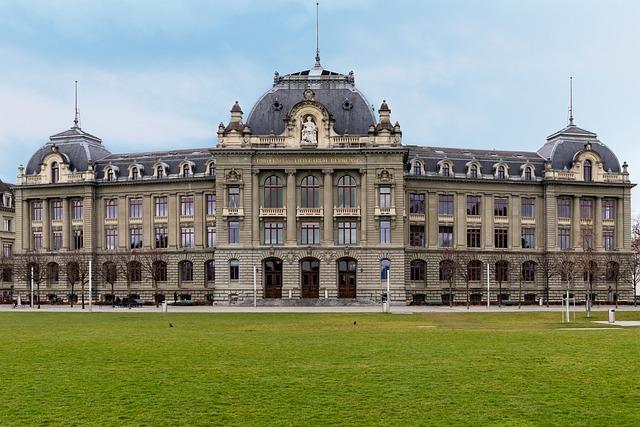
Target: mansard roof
171, 158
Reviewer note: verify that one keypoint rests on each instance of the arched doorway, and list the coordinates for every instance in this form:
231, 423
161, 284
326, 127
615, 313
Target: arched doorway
347, 268
272, 278
310, 278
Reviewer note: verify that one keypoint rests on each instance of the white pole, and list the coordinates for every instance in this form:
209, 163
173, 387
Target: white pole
31, 299
255, 288
90, 285
488, 289
568, 319
388, 292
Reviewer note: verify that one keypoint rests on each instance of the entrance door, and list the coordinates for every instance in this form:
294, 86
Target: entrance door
273, 278
310, 270
347, 278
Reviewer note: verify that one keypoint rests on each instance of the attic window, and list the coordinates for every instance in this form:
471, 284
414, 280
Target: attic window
474, 171
347, 105
527, 174
135, 174
55, 172
277, 105
110, 175
160, 172
501, 173
186, 170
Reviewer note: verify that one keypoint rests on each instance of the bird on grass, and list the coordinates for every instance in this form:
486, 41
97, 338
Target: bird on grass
354, 323
170, 325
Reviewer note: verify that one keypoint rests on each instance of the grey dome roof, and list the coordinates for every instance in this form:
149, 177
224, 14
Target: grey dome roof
76, 145
562, 146
351, 112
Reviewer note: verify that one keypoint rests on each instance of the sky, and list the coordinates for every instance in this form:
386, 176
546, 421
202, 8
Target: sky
163, 74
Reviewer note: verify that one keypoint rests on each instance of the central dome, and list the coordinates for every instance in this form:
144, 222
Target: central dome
350, 110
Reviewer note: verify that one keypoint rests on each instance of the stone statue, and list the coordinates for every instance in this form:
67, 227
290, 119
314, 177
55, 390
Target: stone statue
309, 132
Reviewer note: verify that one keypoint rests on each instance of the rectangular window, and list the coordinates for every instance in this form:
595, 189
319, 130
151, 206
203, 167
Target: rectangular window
6, 250
234, 232
78, 238
309, 233
56, 240
564, 207
111, 208
607, 239
111, 238
273, 233
385, 197
416, 203
211, 236
37, 240
135, 237
445, 204
135, 208
473, 237
234, 197
528, 207
564, 238
385, 231
529, 238
586, 208
445, 236
7, 224
186, 206
416, 235
36, 211
56, 210
77, 209
501, 206
186, 237
608, 209
473, 205
347, 233
587, 238
500, 238
211, 204
161, 207
161, 236
234, 270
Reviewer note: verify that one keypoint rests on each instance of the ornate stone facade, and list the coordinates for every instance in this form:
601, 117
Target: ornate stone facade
321, 200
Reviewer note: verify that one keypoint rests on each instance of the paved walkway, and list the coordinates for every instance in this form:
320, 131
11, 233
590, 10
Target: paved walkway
400, 309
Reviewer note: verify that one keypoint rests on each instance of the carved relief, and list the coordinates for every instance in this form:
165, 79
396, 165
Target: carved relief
234, 176
309, 132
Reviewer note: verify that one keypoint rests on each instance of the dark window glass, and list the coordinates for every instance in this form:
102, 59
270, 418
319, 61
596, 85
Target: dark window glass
416, 235
310, 192
445, 204
473, 237
416, 203
473, 205
273, 192
501, 240
501, 206
418, 270
528, 207
347, 192
445, 236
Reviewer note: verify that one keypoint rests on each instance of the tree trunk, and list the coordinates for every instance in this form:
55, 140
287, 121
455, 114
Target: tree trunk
82, 296
113, 296
468, 302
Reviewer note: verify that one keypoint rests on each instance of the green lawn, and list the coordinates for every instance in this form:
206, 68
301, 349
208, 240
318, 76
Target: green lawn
316, 369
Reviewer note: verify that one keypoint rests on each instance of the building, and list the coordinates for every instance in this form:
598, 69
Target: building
321, 197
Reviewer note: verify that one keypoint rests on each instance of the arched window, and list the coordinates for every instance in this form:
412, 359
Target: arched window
110, 174
212, 169
527, 174
310, 192
110, 272
474, 171
446, 170
186, 169
590, 271
418, 269
273, 192
160, 172
474, 270
160, 270
210, 270
385, 266
134, 173
134, 271
55, 172
501, 173
53, 272
186, 271
73, 272
234, 269
347, 192
417, 168
613, 269
7, 274
587, 170
502, 271
446, 269
528, 271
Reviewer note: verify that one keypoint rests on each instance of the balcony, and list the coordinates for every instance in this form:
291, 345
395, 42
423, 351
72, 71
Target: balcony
586, 221
445, 217
135, 220
232, 211
210, 217
564, 221
111, 221
310, 212
272, 212
501, 219
417, 217
608, 222
186, 218
378, 211
474, 218
341, 212
528, 221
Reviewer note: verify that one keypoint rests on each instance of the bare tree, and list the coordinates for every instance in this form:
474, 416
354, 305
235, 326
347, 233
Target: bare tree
566, 267
34, 266
109, 272
448, 268
466, 270
130, 263
613, 272
155, 267
588, 262
634, 262
501, 270
79, 263
7, 273
550, 269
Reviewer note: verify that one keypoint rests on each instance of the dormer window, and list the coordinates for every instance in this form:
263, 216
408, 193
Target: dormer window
527, 174
160, 172
211, 170
186, 170
445, 169
134, 173
473, 172
587, 170
55, 172
501, 172
110, 175
417, 168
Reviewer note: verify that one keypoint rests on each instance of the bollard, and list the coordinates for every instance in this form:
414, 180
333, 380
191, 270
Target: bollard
612, 315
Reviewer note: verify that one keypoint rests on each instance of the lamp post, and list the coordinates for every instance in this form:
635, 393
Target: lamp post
31, 289
488, 289
255, 287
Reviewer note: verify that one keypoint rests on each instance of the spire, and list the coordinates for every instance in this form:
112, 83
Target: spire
571, 101
76, 120
317, 38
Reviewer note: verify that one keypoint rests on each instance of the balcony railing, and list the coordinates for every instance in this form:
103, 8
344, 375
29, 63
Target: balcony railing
608, 222
474, 218
232, 211
445, 217
417, 217
316, 212
586, 221
391, 211
346, 211
273, 212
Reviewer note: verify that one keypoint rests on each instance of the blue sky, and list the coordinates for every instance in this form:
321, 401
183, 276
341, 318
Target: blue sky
153, 75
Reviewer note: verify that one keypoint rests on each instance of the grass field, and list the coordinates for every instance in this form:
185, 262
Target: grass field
317, 369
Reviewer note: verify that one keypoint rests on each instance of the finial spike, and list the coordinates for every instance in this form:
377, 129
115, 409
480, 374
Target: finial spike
76, 120
571, 101
317, 36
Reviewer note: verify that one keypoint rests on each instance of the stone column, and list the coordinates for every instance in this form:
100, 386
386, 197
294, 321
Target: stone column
364, 191
147, 221
487, 223
460, 220
328, 206
123, 231
255, 206
198, 219
575, 223
46, 225
597, 224
172, 221
427, 217
549, 223
515, 207
432, 219
23, 225
291, 206
66, 224
620, 223
625, 219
